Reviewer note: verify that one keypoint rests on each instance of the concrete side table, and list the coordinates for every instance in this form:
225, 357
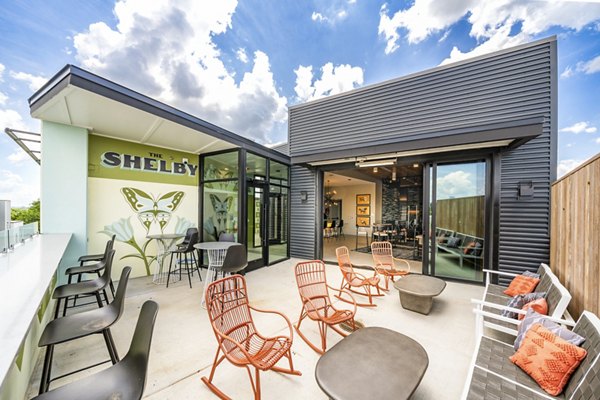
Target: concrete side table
417, 292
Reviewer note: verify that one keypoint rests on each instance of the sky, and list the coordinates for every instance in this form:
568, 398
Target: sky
240, 64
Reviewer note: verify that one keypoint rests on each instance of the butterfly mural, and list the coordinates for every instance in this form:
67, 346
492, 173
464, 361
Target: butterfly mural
152, 209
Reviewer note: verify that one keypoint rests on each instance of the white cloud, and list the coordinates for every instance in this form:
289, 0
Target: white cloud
598, 140
567, 73
18, 156
492, 22
565, 166
3, 99
165, 49
333, 80
580, 127
241, 55
13, 188
332, 11
589, 67
458, 184
2, 68
11, 119
35, 82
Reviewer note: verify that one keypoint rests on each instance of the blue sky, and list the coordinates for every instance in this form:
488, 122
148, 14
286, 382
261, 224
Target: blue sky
240, 64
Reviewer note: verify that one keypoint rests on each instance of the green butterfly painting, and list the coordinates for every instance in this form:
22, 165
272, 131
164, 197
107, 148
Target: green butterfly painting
152, 209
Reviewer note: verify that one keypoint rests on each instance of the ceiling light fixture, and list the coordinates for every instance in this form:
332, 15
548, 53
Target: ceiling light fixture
375, 170
375, 163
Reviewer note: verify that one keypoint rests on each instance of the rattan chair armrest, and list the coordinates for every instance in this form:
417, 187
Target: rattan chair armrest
287, 320
348, 293
404, 261
313, 305
365, 267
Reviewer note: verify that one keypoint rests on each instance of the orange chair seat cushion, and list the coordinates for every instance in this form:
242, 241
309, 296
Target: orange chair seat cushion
521, 284
548, 359
540, 306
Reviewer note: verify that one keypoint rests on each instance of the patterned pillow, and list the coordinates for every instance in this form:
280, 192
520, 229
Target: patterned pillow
519, 301
540, 306
521, 285
453, 242
548, 359
534, 318
531, 274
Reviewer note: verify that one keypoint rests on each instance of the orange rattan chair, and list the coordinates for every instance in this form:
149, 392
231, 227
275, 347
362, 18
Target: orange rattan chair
385, 262
316, 304
238, 340
355, 282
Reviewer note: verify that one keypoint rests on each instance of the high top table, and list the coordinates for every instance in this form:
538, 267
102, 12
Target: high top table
216, 255
164, 241
372, 363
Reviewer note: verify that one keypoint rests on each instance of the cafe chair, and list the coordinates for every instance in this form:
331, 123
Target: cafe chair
354, 281
185, 258
90, 288
238, 341
126, 379
236, 260
76, 326
317, 305
385, 262
94, 268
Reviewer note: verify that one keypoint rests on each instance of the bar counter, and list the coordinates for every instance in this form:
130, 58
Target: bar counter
25, 275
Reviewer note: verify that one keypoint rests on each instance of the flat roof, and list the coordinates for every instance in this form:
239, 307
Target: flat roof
78, 97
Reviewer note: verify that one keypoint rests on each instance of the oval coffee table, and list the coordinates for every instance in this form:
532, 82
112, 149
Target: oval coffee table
372, 363
417, 292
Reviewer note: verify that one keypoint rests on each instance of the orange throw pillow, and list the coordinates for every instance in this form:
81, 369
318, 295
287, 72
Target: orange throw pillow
521, 284
540, 306
548, 359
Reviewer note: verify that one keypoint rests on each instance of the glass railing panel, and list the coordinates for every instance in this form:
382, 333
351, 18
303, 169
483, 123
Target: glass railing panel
16, 236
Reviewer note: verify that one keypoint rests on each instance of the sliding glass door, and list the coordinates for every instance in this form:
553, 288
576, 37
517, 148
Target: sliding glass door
457, 220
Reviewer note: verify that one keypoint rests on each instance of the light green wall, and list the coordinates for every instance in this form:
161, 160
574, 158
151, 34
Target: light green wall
64, 187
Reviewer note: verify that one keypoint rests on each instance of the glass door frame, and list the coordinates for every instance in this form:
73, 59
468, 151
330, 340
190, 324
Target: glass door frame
264, 220
491, 202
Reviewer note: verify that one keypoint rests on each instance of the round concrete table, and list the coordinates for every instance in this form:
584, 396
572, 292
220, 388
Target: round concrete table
372, 363
417, 292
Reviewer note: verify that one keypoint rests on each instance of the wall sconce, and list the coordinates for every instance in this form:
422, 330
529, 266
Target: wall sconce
303, 196
525, 189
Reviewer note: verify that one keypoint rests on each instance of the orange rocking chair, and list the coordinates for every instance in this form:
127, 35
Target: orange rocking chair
384, 262
353, 281
238, 340
316, 304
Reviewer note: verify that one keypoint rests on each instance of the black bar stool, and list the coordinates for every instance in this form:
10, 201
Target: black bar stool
92, 288
83, 324
126, 379
186, 255
95, 268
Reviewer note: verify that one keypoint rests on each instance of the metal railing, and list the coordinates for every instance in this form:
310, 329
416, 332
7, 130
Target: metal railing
15, 236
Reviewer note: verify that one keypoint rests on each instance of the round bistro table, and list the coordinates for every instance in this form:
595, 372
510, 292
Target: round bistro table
216, 255
417, 292
372, 363
164, 241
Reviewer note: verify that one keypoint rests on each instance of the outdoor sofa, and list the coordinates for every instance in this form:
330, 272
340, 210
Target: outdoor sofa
457, 244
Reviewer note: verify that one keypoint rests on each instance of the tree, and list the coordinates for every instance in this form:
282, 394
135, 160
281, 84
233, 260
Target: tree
27, 215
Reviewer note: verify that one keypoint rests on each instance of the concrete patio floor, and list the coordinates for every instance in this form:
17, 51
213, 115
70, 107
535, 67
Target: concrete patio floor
184, 345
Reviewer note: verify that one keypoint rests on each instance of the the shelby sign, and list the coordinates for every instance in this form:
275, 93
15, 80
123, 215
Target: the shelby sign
118, 159
153, 163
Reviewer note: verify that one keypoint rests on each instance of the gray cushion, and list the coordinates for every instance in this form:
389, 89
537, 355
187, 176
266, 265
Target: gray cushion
531, 274
533, 317
519, 301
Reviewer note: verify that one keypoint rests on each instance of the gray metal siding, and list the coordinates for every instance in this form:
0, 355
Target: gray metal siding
303, 214
510, 85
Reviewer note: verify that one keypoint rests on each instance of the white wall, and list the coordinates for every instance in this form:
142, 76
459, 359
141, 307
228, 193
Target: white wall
64, 187
348, 196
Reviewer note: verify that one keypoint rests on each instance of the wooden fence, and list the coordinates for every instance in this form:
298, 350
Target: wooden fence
575, 235
464, 215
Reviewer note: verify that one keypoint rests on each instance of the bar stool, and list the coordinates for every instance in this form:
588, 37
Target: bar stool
185, 255
80, 325
126, 379
92, 268
91, 288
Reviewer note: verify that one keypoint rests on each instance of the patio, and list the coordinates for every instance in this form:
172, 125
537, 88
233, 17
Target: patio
184, 346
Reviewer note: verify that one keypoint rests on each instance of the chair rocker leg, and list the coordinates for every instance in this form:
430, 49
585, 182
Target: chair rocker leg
208, 381
308, 342
341, 332
291, 370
